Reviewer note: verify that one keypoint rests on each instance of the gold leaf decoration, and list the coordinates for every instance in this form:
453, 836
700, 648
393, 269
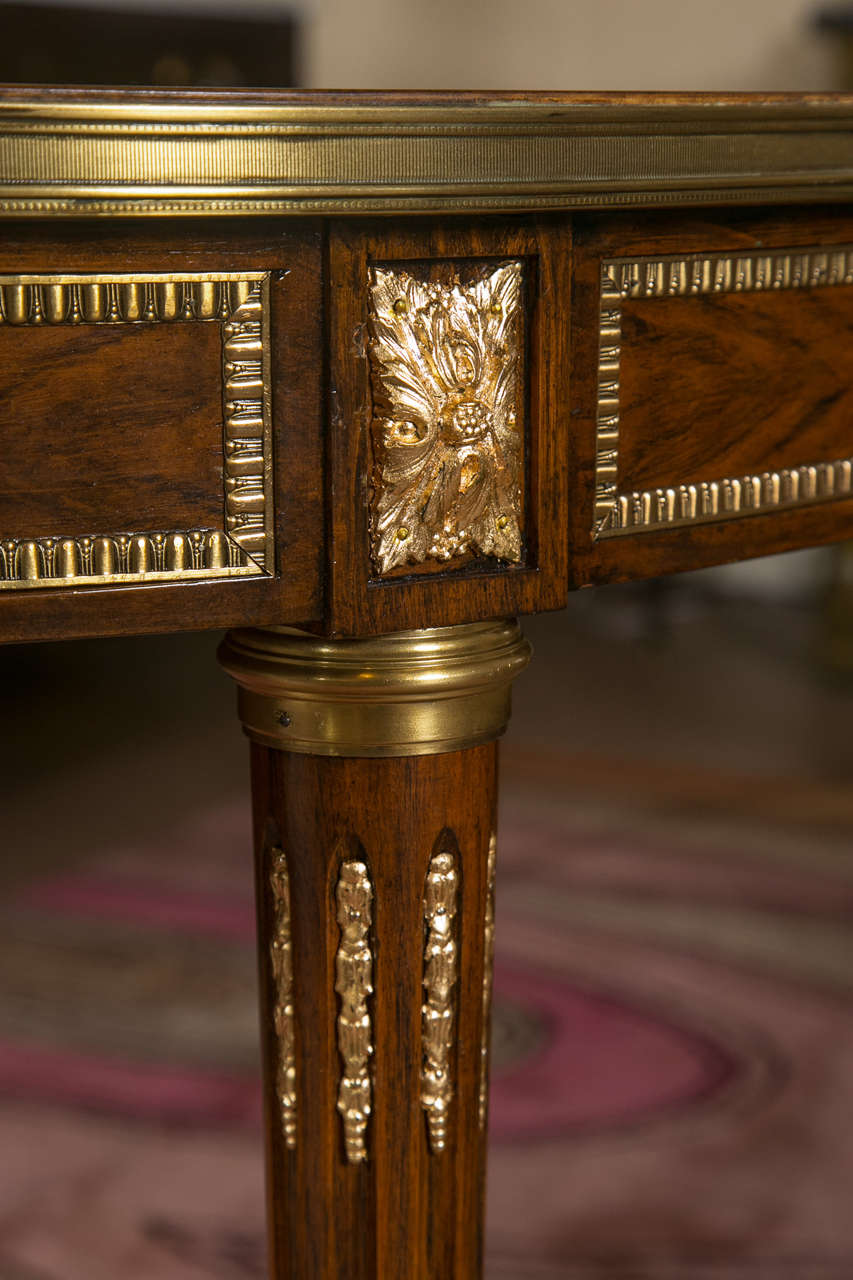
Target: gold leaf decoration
446, 374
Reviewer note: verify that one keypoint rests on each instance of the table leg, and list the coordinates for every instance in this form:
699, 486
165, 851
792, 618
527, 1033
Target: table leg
374, 784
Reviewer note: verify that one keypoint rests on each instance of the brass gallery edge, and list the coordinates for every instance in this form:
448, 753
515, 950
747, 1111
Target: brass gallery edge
446, 364
237, 156
243, 547
718, 498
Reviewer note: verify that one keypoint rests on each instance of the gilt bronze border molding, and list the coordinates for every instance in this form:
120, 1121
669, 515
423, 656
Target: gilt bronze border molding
243, 547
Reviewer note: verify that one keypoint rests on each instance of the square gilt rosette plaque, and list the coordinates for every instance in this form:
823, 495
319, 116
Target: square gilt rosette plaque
446, 362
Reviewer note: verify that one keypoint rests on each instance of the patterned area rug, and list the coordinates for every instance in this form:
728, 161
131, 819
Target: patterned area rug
673, 1081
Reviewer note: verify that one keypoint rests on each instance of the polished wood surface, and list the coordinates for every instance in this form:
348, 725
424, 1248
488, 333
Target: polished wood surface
754, 382
143, 451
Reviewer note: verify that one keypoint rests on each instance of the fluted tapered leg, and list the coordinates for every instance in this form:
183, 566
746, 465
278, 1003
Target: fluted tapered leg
375, 884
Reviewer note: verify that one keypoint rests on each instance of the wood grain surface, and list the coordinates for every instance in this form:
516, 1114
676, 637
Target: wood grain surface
405, 1210
732, 384
106, 431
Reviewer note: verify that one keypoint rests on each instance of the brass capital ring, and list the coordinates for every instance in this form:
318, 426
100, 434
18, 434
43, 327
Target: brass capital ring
410, 693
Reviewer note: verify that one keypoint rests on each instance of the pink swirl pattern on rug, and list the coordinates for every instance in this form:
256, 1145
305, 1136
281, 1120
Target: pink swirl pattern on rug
601, 1062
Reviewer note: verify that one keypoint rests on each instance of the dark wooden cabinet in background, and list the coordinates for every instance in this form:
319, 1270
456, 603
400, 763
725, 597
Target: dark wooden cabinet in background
73, 44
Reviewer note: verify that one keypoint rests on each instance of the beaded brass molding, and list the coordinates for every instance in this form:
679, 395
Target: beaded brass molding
354, 984
243, 548
447, 428
281, 963
488, 978
440, 978
160, 155
718, 499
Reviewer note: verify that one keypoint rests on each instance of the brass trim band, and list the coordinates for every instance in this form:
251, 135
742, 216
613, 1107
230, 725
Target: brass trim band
410, 693
165, 156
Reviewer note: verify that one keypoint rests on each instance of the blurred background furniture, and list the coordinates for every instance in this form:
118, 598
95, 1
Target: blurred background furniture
73, 44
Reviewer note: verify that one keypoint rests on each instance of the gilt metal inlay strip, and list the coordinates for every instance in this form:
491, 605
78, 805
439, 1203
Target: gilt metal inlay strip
447, 427
716, 499
488, 977
440, 977
354, 984
281, 961
239, 302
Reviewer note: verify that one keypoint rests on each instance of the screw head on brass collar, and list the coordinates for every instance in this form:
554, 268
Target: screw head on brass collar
409, 693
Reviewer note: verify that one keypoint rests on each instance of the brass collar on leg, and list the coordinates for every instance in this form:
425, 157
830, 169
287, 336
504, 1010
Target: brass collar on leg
410, 693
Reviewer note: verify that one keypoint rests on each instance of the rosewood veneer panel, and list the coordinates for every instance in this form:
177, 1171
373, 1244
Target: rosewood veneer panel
108, 431
755, 382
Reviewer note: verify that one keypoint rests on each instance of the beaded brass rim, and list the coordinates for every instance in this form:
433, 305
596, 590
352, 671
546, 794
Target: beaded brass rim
122, 155
410, 693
